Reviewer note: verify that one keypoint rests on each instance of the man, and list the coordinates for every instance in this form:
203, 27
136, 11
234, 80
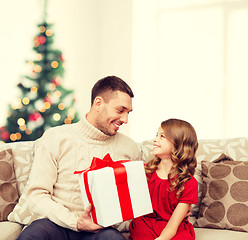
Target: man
53, 192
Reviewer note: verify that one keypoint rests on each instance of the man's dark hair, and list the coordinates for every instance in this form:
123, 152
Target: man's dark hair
106, 86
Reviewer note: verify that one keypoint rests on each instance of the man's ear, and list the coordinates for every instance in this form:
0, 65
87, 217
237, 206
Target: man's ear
98, 103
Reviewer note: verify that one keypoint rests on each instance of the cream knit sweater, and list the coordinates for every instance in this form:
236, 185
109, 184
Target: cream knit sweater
53, 189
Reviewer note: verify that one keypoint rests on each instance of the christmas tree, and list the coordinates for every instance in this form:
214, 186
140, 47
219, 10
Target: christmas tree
44, 102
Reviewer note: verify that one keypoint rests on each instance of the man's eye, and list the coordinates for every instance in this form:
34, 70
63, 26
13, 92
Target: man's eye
120, 111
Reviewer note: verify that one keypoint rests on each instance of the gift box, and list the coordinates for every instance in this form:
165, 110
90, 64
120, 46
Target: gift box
117, 190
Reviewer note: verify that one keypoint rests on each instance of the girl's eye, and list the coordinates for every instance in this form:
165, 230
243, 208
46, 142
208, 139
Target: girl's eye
162, 136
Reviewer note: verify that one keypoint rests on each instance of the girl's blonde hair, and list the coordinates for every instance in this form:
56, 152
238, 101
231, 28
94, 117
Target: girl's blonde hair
184, 140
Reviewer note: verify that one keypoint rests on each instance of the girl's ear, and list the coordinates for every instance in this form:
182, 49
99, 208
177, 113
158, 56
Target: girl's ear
98, 103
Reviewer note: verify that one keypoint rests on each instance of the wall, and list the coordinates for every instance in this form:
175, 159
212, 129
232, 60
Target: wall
190, 62
184, 59
94, 37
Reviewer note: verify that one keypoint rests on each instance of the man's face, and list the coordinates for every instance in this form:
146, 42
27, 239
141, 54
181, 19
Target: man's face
114, 113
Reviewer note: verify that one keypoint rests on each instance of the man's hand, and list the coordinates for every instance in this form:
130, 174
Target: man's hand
85, 222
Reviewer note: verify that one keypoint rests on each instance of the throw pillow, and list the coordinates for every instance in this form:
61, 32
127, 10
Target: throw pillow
21, 213
23, 157
209, 150
8, 188
224, 202
24, 152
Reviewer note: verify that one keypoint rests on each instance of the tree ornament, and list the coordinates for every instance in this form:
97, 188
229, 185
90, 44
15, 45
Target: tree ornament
20, 85
56, 81
41, 40
48, 99
4, 134
34, 116
61, 57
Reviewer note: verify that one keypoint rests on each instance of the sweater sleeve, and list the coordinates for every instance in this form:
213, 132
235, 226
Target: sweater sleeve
43, 177
145, 148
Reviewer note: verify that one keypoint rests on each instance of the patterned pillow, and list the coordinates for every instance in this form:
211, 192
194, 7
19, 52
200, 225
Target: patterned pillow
209, 150
23, 157
8, 189
23, 154
21, 213
224, 202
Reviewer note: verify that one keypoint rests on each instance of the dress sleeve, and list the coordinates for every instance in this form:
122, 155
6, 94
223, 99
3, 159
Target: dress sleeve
190, 192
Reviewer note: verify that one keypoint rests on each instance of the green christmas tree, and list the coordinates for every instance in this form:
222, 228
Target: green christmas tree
44, 102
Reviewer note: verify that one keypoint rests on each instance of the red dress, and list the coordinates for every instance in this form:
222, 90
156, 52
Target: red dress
164, 202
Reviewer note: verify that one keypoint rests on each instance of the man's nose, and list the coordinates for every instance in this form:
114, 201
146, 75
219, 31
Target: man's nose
124, 118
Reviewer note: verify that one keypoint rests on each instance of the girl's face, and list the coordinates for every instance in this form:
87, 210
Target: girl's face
162, 147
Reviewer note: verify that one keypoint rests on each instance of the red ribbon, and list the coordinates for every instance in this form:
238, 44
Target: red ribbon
120, 180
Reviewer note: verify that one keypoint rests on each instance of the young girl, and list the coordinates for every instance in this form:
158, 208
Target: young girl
171, 184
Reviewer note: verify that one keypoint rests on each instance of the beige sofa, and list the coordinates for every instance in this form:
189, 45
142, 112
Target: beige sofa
212, 223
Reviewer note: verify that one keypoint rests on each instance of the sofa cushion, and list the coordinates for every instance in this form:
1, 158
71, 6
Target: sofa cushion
23, 157
8, 188
224, 202
210, 234
21, 213
209, 150
10, 230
